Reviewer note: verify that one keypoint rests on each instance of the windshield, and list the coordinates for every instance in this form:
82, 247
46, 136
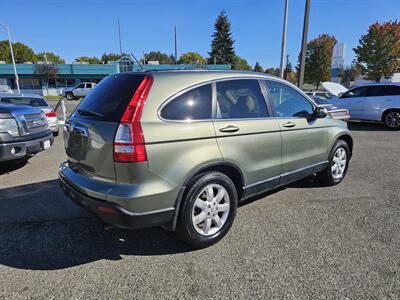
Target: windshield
25, 101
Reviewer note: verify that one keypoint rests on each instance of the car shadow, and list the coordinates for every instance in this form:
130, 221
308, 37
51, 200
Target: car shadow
41, 229
364, 126
11, 166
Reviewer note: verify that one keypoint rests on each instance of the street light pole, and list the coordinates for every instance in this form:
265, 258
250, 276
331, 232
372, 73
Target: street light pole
12, 56
304, 45
284, 39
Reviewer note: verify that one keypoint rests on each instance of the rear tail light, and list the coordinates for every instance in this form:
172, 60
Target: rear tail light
51, 114
129, 143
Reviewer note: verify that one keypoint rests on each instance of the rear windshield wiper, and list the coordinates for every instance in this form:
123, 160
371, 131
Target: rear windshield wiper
85, 112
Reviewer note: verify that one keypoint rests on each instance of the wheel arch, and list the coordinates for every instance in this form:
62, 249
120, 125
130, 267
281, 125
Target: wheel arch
349, 141
388, 110
229, 169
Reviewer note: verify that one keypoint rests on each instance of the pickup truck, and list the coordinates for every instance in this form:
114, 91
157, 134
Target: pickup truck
79, 91
24, 131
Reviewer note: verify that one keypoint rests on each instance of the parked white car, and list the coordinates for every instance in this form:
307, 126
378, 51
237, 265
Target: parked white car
79, 91
378, 102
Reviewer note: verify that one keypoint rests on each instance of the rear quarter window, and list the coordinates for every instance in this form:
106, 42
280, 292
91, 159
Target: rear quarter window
112, 95
195, 104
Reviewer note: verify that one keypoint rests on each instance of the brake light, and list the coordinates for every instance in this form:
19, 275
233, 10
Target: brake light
51, 114
129, 141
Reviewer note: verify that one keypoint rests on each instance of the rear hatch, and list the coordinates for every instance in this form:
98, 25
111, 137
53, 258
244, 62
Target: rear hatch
90, 131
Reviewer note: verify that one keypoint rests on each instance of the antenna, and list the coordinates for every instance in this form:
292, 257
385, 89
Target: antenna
140, 65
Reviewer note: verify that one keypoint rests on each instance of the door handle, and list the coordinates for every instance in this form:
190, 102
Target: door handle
229, 128
289, 124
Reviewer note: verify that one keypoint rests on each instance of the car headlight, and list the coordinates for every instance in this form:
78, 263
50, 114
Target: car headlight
9, 126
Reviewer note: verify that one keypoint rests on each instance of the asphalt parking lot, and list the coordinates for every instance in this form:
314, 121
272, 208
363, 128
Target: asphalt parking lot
300, 242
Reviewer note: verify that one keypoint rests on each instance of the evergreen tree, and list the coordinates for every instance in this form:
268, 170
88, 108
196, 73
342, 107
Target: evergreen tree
222, 50
258, 68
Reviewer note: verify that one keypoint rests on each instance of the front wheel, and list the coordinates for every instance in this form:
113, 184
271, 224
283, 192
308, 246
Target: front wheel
208, 209
392, 119
337, 164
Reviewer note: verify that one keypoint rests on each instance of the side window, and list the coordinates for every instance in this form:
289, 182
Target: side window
80, 86
239, 99
356, 92
195, 104
390, 90
375, 91
88, 85
287, 101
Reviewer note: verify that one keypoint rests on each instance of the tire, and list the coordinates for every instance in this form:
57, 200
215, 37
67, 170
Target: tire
391, 119
211, 201
332, 176
70, 96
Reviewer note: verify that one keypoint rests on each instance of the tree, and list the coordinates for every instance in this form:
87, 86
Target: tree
379, 50
191, 58
51, 57
47, 71
240, 64
222, 50
162, 58
90, 60
272, 71
22, 53
258, 68
318, 59
107, 57
289, 74
350, 73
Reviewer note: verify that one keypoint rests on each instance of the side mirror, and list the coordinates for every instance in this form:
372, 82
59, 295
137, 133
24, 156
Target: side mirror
320, 112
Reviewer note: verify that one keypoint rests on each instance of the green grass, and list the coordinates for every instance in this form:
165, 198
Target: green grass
51, 97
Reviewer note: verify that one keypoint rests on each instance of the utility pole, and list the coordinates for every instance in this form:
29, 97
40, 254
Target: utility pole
304, 45
287, 61
119, 34
284, 39
12, 56
176, 48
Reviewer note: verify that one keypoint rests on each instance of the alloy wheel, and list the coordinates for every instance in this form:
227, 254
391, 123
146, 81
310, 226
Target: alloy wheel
211, 209
339, 163
393, 119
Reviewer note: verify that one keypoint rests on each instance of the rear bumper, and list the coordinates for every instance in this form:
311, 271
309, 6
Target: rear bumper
16, 150
113, 214
139, 205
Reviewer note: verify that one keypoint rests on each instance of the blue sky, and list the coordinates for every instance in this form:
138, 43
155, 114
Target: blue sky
89, 27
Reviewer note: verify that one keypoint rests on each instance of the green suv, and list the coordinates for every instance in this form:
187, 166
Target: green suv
181, 149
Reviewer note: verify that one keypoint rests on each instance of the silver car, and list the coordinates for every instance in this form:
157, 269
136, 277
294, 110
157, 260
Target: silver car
34, 101
373, 102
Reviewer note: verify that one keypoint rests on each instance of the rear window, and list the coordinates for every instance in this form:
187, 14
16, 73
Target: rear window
195, 104
111, 96
25, 101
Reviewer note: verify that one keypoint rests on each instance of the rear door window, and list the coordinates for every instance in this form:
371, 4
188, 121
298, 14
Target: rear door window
195, 104
390, 90
240, 99
112, 95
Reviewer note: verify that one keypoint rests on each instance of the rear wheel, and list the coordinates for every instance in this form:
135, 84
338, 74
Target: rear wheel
391, 119
69, 96
208, 209
337, 165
